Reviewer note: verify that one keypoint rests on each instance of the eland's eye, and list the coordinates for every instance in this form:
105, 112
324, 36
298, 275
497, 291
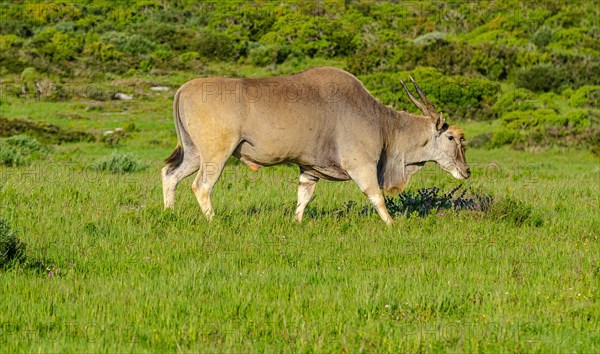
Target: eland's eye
450, 137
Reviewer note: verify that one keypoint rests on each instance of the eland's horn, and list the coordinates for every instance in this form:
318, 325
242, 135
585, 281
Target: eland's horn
428, 103
414, 99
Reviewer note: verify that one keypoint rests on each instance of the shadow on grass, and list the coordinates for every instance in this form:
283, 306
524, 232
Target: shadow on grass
427, 201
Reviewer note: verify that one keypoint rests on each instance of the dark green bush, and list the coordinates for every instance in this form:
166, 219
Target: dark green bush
573, 120
459, 96
541, 77
25, 143
63, 46
480, 140
132, 44
586, 96
214, 45
515, 212
428, 200
188, 61
189, 56
11, 156
113, 138
12, 249
98, 93
530, 118
103, 52
578, 119
368, 59
19, 150
262, 55
119, 163
515, 100
44, 132
488, 65
503, 137
574, 41
542, 37
591, 137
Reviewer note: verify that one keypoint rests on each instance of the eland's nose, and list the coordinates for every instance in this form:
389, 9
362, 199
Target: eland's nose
468, 172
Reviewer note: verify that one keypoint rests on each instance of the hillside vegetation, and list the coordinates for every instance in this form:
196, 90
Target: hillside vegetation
506, 261
532, 66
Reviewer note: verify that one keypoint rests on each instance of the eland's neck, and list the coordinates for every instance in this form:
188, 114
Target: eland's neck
407, 146
408, 138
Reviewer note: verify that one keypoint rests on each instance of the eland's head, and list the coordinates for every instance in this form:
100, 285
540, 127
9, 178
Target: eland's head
447, 146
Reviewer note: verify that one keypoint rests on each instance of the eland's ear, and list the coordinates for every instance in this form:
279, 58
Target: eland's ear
439, 124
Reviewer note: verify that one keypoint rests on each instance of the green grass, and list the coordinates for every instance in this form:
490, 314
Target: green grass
108, 270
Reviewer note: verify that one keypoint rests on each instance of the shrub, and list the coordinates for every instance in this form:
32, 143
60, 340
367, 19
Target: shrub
368, 59
18, 150
525, 119
503, 137
188, 61
578, 119
44, 132
462, 97
310, 35
515, 212
25, 143
573, 41
514, 100
113, 137
480, 140
542, 37
11, 156
540, 77
131, 44
145, 66
102, 52
552, 101
214, 45
162, 55
189, 56
489, 66
63, 46
567, 93
591, 138
262, 55
119, 163
11, 248
546, 118
430, 38
586, 96
428, 200
98, 93
10, 41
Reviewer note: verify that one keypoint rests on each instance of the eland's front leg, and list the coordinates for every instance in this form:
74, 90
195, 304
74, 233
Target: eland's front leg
306, 190
366, 178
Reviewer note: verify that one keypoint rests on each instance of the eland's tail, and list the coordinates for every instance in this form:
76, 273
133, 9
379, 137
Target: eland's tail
183, 137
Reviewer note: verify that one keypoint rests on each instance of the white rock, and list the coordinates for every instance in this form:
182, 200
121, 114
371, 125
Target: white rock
123, 96
159, 88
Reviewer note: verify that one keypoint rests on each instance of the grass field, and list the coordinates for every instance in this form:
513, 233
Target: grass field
108, 270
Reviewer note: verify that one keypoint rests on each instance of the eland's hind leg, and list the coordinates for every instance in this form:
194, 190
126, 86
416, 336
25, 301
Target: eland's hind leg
210, 171
306, 190
171, 176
